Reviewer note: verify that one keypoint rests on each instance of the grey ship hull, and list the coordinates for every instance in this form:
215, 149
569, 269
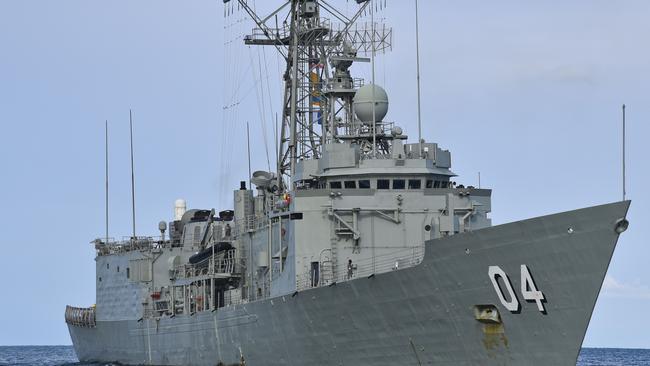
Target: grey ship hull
420, 315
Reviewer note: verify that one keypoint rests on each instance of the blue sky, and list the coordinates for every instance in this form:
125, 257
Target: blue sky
527, 94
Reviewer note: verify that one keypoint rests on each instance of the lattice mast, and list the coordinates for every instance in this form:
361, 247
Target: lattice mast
318, 88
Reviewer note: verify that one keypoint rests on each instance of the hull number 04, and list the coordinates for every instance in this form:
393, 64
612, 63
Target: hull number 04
509, 299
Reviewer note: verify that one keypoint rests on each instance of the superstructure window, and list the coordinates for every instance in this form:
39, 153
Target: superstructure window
415, 184
335, 185
383, 184
364, 184
118, 269
128, 272
399, 184
436, 184
429, 183
350, 184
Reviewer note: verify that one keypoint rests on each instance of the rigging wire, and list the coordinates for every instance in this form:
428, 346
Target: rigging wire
268, 88
266, 118
240, 80
233, 73
261, 103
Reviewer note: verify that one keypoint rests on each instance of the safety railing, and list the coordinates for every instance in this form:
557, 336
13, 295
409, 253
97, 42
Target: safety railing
259, 34
400, 259
283, 33
80, 317
226, 263
329, 86
108, 246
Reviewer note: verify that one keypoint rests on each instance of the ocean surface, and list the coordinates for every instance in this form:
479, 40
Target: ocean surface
64, 355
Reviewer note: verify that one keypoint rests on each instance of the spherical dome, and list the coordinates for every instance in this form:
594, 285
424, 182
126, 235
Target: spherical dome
363, 103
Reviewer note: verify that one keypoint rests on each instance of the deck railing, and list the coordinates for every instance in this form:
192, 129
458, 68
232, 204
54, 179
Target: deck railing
227, 263
80, 317
399, 259
108, 246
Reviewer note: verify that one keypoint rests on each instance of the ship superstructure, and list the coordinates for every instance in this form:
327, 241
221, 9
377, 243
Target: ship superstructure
351, 202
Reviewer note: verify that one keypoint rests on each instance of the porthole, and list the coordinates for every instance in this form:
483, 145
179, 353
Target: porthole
427, 227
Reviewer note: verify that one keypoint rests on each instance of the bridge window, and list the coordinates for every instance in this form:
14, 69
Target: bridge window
436, 184
335, 185
429, 183
350, 184
383, 184
415, 184
364, 184
399, 184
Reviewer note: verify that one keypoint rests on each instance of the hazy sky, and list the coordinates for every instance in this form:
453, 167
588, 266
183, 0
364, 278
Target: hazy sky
527, 93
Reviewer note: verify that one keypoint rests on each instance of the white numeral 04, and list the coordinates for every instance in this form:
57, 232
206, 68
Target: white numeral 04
528, 288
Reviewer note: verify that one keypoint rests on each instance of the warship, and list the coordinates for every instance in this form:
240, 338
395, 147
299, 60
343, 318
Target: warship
358, 249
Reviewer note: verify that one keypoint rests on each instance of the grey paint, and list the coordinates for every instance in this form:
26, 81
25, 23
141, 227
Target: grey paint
424, 312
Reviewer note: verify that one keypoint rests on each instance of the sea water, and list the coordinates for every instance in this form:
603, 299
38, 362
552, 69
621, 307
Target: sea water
64, 355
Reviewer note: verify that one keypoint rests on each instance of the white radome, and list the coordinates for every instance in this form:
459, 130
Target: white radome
363, 102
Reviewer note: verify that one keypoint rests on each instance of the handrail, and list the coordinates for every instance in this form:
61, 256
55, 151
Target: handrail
284, 31
80, 317
108, 246
396, 260
399, 259
228, 264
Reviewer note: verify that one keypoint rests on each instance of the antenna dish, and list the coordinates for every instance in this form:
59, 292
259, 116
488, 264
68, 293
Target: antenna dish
363, 103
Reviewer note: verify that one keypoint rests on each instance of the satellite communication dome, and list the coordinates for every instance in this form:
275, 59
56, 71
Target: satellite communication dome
363, 103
